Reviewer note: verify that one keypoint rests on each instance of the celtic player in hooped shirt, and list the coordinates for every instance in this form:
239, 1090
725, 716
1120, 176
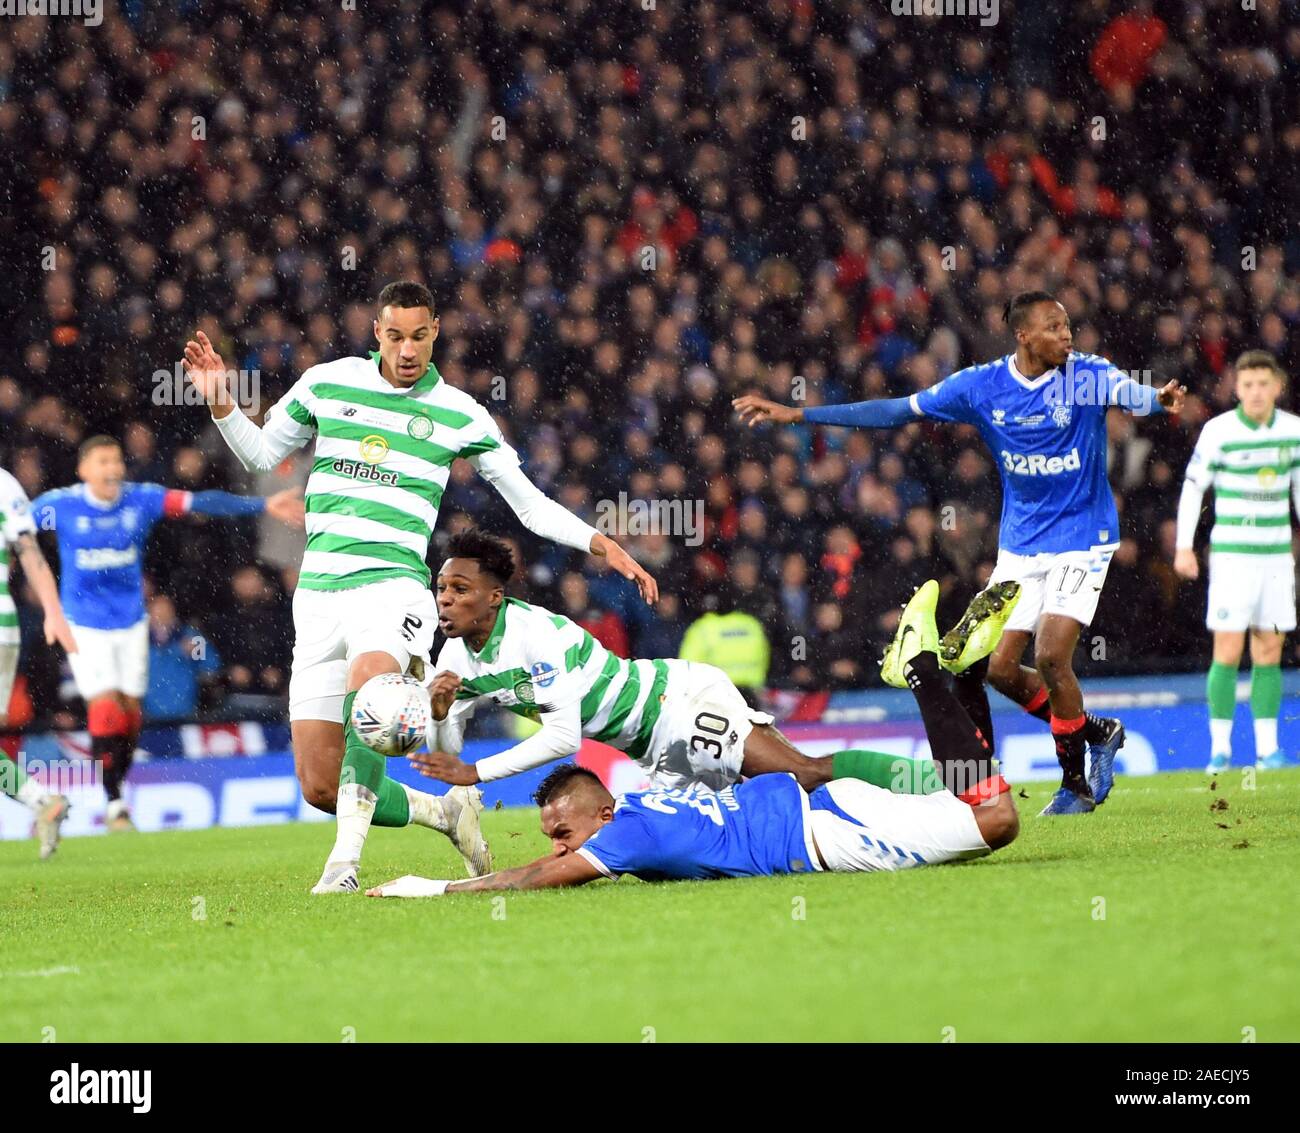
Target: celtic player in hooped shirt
684, 722
1250, 458
387, 430
1042, 412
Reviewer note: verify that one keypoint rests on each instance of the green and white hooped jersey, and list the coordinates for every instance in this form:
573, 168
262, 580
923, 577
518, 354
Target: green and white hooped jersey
535, 662
15, 520
1253, 470
383, 457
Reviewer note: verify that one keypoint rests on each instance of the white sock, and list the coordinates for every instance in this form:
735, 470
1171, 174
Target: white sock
1265, 737
1220, 737
31, 794
426, 810
353, 810
115, 807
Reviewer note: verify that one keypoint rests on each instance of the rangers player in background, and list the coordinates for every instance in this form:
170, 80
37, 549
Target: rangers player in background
1250, 457
1042, 412
102, 526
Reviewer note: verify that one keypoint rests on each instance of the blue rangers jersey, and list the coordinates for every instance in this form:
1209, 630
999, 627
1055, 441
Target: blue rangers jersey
1048, 435
755, 828
101, 548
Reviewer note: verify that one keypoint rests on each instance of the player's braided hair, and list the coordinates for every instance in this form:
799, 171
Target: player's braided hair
1018, 309
492, 554
561, 780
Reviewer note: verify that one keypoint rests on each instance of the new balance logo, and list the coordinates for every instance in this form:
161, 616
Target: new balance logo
1038, 464
349, 412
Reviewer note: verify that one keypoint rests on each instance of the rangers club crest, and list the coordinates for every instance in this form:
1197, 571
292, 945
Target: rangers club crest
1061, 415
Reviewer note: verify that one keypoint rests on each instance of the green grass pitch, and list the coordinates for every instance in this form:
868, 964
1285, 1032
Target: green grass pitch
1196, 939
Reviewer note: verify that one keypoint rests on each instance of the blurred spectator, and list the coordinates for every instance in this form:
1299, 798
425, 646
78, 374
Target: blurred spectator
735, 642
181, 664
604, 625
662, 635
255, 635
837, 653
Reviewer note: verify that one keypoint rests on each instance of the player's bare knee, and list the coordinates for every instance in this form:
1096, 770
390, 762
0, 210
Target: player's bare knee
1052, 667
368, 665
319, 791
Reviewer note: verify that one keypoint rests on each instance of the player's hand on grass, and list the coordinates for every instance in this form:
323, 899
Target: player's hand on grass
754, 410
627, 566
445, 768
1171, 396
442, 693
1186, 564
287, 507
207, 372
409, 886
57, 631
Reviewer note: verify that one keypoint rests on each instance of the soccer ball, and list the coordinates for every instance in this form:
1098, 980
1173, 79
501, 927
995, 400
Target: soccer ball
391, 713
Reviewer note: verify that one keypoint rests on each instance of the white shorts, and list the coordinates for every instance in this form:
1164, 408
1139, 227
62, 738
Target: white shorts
1056, 582
331, 627
701, 731
8, 671
111, 660
1251, 591
860, 828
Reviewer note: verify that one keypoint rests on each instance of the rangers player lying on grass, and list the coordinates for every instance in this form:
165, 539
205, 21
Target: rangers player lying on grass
770, 825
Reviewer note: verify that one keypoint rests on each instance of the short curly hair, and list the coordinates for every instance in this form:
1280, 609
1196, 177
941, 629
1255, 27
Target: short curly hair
492, 553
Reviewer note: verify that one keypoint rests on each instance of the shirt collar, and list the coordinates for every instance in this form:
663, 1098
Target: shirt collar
488, 654
1241, 416
96, 501
427, 381
1030, 383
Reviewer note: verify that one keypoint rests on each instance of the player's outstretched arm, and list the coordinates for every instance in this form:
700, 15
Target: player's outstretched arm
884, 413
286, 506
289, 425
560, 736
543, 516
1140, 399
551, 872
41, 577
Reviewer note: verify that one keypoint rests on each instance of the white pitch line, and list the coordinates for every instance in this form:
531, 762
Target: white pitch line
40, 973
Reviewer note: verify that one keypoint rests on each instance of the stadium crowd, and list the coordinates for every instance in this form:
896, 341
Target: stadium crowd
628, 217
